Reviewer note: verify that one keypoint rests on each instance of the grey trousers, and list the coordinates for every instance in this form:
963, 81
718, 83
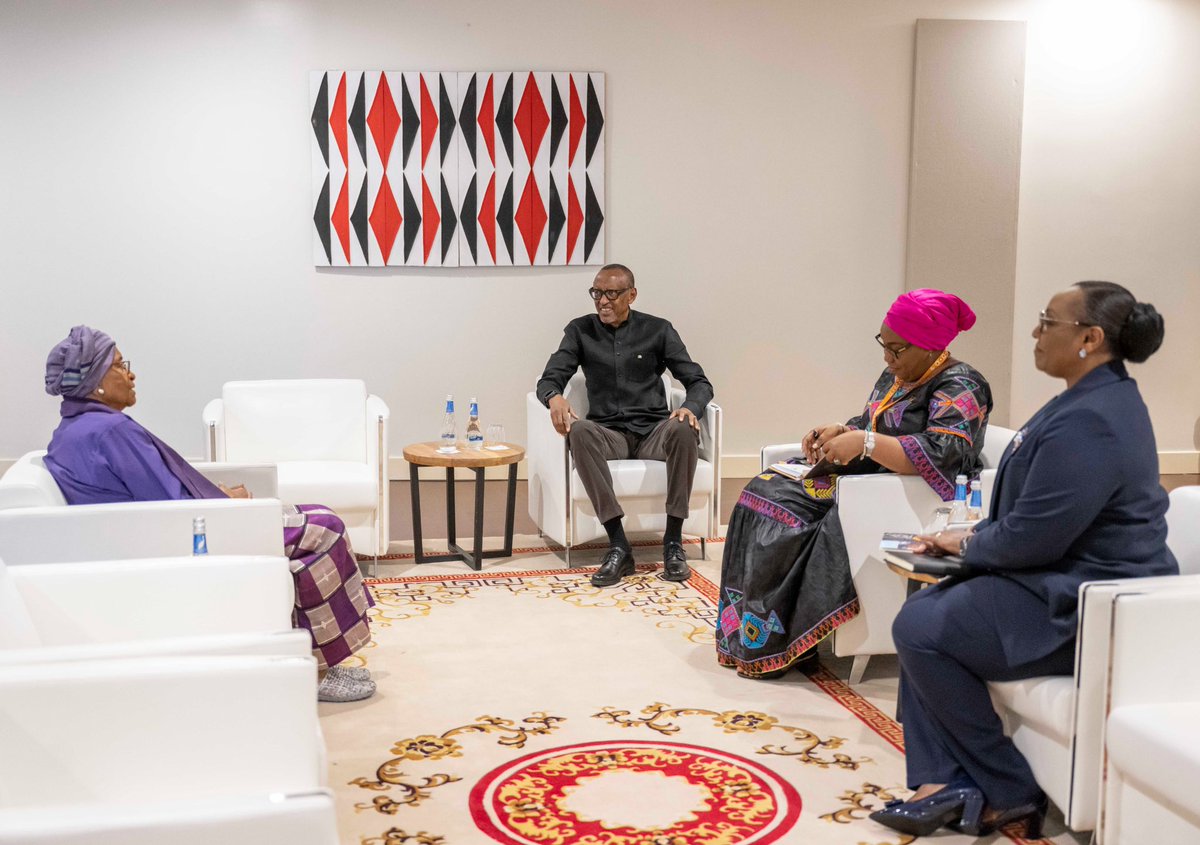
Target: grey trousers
593, 446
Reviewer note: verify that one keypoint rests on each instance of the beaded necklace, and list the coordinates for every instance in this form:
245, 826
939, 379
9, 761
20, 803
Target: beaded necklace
898, 389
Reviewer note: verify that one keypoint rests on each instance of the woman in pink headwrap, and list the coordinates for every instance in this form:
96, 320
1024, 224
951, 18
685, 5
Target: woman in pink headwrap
785, 576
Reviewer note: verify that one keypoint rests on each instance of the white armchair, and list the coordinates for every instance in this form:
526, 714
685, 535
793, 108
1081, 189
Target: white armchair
559, 505
1135, 645
28, 484
327, 437
181, 750
869, 505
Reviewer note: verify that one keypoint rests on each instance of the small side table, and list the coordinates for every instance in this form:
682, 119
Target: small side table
427, 455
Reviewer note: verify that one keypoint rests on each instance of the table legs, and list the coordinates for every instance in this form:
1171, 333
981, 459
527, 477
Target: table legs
475, 557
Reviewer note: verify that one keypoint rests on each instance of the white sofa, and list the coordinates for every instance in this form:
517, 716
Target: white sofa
560, 507
180, 750
1153, 771
869, 505
328, 438
235, 604
1136, 646
37, 526
28, 484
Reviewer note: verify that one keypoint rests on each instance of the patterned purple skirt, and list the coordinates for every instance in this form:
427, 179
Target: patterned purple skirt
331, 602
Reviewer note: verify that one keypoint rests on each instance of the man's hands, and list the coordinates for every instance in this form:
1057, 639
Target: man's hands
238, 492
561, 414
685, 415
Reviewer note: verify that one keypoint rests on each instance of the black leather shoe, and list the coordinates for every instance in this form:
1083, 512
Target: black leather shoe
921, 818
617, 563
675, 565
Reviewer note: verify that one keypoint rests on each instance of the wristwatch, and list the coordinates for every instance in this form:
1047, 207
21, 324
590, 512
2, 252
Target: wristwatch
868, 443
963, 543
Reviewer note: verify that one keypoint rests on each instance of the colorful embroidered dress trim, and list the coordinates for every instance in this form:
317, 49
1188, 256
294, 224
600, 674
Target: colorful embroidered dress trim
771, 510
797, 647
925, 467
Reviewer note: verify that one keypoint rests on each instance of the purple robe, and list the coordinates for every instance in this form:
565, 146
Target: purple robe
99, 455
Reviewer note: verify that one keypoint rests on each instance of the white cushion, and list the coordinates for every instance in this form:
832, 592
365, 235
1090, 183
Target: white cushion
295, 419
638, 479
340, 485
1158, 746
1048, 703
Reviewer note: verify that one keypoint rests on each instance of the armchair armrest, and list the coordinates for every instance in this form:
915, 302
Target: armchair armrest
546, 460
138, 529
779, 452
262, 480
214, 430
378, 415
869, 505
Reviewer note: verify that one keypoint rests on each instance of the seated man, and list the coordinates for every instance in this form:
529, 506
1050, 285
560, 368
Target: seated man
623, 354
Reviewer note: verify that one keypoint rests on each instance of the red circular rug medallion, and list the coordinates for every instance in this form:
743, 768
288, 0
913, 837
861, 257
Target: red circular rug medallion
633, 793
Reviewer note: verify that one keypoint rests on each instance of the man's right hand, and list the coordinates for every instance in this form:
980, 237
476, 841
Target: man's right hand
561, 414
815, 439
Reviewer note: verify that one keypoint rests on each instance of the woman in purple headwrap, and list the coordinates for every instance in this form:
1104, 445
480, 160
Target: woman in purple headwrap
785, 576
99, 454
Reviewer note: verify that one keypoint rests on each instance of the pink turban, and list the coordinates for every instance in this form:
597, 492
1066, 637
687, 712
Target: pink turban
929, 318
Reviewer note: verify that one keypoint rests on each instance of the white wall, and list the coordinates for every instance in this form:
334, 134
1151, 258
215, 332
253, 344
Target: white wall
156, 185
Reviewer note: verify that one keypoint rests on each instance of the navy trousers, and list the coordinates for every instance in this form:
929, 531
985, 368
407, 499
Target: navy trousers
948, 639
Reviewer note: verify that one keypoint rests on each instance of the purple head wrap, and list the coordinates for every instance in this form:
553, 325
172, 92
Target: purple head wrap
929, 318
77, 364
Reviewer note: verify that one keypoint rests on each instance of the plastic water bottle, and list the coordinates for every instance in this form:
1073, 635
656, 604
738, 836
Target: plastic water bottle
975, 509
199, 537
958, 511
474, 433
449, 432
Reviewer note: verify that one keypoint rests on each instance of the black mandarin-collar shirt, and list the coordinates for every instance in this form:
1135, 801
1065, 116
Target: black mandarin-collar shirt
623, 368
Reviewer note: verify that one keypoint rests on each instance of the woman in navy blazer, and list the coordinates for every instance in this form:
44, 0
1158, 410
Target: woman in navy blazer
1077, 498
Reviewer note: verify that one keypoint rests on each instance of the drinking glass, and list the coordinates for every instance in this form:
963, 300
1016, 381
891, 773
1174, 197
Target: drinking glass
939, 521
495, 434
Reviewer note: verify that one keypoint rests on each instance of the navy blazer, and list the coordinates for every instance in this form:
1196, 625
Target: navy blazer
1077, 498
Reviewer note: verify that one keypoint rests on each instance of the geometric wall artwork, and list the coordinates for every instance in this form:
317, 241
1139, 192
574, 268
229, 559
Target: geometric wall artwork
457, 169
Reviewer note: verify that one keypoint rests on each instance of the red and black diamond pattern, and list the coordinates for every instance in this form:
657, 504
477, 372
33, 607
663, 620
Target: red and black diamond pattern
458, 169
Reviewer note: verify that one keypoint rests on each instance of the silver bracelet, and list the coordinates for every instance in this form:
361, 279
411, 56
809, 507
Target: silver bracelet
963, 543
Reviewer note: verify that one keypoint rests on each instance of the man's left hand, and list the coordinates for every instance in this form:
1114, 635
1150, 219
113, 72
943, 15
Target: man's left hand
684, 415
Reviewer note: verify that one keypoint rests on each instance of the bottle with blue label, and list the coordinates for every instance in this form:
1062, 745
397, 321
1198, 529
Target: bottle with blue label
449, 431
199, 537
975, 508
474, 432
958, 510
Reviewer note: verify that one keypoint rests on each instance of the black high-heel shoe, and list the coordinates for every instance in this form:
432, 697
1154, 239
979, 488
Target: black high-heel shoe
1030, 816
920, 818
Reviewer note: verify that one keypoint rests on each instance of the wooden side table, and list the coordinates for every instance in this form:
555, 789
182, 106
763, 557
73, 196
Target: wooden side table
427, 455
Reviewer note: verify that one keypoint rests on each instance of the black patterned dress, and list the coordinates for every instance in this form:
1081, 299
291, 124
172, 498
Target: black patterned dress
785, 575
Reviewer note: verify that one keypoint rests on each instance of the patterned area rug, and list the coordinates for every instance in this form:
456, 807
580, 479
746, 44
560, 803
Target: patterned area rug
529, 707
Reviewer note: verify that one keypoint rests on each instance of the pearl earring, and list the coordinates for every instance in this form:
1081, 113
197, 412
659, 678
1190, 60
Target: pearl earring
100, 390
1082, 353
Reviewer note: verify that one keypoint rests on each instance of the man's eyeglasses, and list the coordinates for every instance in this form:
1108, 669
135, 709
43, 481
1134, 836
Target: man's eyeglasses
1045, 322
610, 295
896, 351
122, 365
